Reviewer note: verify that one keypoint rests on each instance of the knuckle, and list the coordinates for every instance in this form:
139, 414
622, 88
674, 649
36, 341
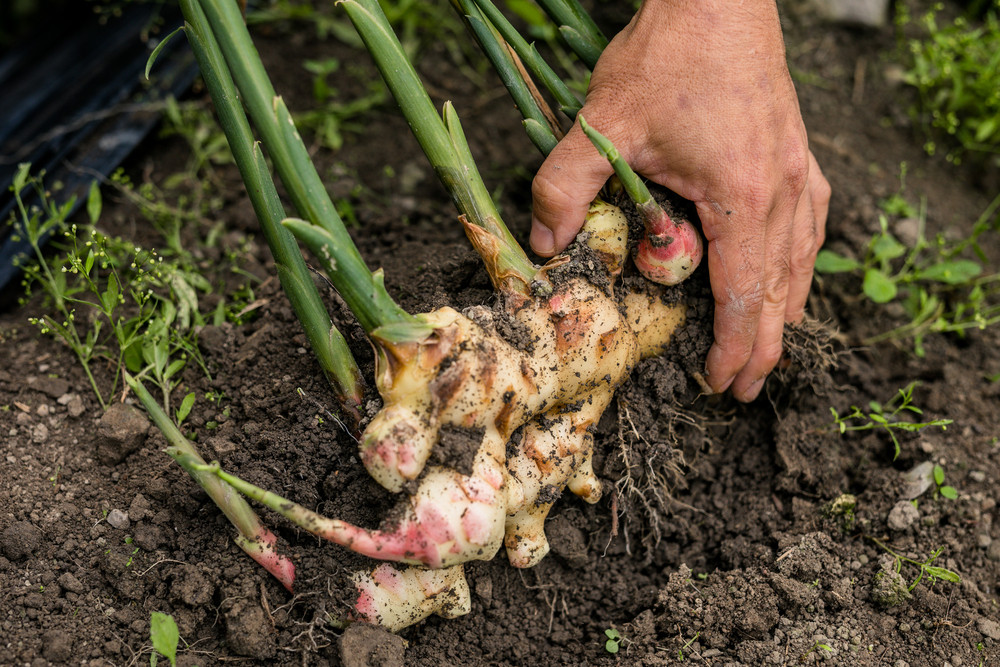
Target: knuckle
795, 174
821, 191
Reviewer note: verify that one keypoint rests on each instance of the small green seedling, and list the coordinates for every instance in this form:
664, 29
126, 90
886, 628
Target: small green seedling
164, 636
948, 492
887, 417
927, 569
817, 646
614, 640
680, 652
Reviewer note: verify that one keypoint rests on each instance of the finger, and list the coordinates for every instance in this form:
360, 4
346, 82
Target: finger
766, 349
736, 251
808, 234
566, 183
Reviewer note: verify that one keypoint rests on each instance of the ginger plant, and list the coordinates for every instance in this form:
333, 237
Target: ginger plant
534, 403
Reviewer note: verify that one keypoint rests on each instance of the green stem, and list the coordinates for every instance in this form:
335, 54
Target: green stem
633, 185
497, 52
568, 102
232, 504
326, 341
442, 140
577, 28
291, 160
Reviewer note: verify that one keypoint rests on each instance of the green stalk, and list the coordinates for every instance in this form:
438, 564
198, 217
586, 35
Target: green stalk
585, 50
568, 102
442, 140
326, 341
577, 28
633, 185
364, 295
497, 52
254, 537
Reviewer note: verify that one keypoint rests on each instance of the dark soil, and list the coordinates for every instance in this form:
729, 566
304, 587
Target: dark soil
718, 540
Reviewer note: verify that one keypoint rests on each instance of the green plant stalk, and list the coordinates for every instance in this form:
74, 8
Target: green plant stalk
587, 51
568, 102
634, 187
326, 341
350, 275
573, 18
442, 140
497, 52
254, 537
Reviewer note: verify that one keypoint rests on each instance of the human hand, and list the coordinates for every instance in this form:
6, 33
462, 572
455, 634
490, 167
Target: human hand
697, 97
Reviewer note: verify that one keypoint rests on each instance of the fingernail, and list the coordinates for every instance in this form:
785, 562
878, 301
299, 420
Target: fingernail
753, 390
542, 240
720, 389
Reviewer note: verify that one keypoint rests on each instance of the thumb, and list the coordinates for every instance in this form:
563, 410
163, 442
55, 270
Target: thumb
566, 183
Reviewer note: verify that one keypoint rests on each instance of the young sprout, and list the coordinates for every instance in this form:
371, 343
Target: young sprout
671, 250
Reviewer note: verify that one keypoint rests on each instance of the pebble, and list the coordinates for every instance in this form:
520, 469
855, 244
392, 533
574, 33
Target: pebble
76, 407
117, 519
983, 540
42, 410
40, 433
993, 551
902, 516
989, 628
70, 583
977, 476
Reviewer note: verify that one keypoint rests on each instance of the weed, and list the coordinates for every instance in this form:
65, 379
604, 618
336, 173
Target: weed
817, 646
613, 643
109, 299
886, 417
941, 288
332, 118
927, 569
946, 491
680, 651
164, 636
956, 71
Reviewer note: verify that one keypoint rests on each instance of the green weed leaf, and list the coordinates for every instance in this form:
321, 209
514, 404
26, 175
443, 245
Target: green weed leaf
185, 408
94, 204
949, 492
885, 247
955, 272
879, 287
938, 475
942, 573
164, 635
828, 261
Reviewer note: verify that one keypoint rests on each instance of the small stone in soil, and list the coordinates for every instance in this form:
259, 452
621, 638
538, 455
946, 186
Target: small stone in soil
989, 628
118, 519
54, 387
902, 516
121, 431
19, 540
70, 583
40, 433
75, 407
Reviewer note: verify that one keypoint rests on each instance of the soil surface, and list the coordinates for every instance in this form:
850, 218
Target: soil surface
723, 536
